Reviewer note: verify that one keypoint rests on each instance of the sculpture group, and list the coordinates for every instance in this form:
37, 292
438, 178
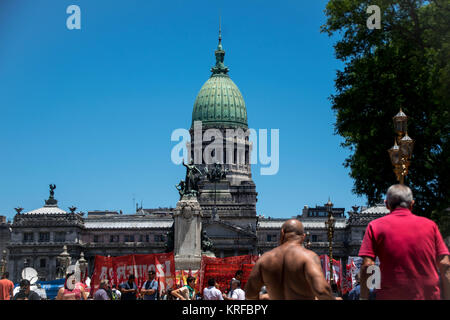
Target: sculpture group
189, 186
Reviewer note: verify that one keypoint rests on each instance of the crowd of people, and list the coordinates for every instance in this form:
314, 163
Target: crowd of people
150, 290
414, 265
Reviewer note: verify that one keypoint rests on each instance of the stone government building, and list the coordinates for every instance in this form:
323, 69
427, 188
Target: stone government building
35, 238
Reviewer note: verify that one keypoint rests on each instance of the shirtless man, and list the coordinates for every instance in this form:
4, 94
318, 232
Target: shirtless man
289, 272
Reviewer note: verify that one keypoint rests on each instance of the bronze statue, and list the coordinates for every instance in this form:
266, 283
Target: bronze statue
192, 178
181, 188
207, 244
52, 193
217, 173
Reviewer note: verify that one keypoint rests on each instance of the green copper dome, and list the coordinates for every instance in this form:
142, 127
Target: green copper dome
219, 103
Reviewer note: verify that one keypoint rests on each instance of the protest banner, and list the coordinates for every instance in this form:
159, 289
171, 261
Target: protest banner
117, 269
347, 280
337, 269
224, 269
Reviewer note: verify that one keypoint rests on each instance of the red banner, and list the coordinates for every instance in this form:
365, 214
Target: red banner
347, 284
337, 269
224, 269
117, 269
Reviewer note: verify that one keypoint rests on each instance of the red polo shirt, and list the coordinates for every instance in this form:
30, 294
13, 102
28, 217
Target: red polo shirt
407, 246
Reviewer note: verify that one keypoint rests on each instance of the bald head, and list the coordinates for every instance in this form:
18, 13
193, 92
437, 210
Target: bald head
292, 226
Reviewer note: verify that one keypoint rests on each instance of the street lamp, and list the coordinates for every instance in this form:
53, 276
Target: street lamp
64, 262
330, 223
400, 154
3, 263
82, 262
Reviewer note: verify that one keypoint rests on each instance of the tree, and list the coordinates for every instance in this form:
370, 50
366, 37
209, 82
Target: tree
403, 64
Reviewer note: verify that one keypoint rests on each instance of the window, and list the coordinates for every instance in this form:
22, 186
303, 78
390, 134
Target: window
42, 263
271, 237
96, 239
147, 238
314, 238
60, 237
114, 238
159, 238
28, 237
44, 236
128, 238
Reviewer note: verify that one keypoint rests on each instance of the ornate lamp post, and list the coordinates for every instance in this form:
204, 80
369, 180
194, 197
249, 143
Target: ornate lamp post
330, 223
3, 263
216, 174
82, 262
402, 150
64, 262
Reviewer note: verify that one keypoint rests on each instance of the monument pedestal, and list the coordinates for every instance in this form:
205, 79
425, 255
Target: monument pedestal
188, 228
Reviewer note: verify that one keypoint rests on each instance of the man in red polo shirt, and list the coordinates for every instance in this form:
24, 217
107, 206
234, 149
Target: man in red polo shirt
410, 249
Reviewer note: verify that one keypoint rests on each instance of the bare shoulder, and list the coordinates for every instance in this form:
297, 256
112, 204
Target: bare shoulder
270, 258
311, 256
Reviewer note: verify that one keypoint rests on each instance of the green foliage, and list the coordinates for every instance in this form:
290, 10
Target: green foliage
404, 64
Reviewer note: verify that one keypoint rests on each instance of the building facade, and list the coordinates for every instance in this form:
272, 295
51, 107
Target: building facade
228, 205
36, 238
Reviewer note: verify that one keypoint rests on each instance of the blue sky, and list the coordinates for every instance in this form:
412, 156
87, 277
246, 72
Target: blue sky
92, 110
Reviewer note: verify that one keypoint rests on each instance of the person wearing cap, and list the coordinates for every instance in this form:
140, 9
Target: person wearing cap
25, 292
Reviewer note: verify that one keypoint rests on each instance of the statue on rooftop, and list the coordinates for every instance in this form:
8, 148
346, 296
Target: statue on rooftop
52, 193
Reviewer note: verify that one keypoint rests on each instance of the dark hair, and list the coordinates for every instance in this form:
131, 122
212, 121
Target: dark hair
131, 277
6, 274
24, 283
151, 272
189, 279
238, 273
211, 282
70, 274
